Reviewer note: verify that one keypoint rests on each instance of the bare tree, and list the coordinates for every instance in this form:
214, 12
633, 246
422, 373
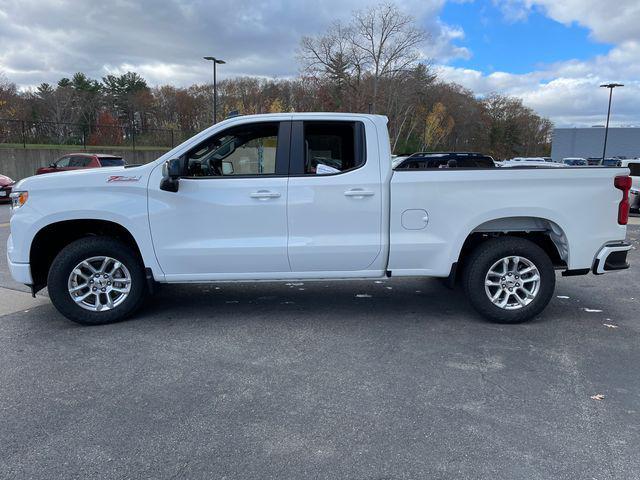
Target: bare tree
386, 42
381, 42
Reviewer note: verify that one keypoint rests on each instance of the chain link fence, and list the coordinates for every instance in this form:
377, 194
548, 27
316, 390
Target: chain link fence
25, 133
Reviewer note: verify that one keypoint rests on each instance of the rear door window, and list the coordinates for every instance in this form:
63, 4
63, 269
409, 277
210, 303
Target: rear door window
328, 147
111, 162
79, 161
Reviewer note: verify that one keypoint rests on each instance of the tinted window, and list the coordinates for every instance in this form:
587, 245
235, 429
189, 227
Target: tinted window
332, 147
111, 162
78, 161
63, 162
635, 169
242, 150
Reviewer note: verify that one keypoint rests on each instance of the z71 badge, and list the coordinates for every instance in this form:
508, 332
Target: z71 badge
122, 178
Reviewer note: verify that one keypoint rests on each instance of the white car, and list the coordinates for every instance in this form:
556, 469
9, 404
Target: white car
530, 162
575, 161
310, 196
634, 194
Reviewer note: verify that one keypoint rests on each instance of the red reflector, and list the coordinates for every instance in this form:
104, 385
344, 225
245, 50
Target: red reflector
623, 183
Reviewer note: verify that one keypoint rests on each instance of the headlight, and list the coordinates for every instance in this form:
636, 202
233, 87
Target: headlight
18, 199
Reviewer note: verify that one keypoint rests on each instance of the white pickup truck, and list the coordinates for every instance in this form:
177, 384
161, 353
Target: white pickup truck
311, 196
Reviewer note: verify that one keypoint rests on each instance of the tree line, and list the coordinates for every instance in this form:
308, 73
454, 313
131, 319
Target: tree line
373, 63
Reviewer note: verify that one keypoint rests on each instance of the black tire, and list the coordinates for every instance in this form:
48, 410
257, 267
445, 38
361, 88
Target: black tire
478, 264
82, 249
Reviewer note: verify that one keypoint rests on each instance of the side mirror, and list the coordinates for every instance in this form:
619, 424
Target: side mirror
172, 170
53, 165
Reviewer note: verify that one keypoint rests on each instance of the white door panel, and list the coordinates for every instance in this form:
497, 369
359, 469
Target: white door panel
335, 221
222, 225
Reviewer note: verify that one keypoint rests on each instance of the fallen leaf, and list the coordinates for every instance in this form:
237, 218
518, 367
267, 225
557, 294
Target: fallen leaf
598, 396
609, 325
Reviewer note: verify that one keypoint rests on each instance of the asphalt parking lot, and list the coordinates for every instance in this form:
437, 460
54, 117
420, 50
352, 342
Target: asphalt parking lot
354, 380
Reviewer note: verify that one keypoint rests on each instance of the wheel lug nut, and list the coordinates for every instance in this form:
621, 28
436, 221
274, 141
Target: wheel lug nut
104, 289
517, 284
94, 289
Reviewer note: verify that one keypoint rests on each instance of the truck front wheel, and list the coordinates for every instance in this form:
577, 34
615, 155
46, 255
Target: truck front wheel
509, 279
96, 280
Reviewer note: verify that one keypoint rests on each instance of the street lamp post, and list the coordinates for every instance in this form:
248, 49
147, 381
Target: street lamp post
610, 86
215, 86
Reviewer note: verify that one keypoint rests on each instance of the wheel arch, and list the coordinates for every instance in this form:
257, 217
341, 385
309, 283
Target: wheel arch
544, 232
52, 238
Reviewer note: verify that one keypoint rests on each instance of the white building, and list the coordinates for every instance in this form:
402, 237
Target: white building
588, 142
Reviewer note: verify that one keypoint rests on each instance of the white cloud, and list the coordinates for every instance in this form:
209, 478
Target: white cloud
569, 91
43, 40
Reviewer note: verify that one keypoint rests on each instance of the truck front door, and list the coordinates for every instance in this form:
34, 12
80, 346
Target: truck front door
228, 218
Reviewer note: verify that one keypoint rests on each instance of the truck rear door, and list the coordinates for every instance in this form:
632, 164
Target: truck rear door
334, 207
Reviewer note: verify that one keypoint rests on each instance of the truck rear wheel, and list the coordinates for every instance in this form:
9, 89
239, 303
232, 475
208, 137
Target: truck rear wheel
96, 280
509, 279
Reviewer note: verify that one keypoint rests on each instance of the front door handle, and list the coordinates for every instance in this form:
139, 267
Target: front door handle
265, 194
358, 192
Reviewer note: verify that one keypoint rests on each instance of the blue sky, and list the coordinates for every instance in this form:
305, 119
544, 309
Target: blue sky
500, 43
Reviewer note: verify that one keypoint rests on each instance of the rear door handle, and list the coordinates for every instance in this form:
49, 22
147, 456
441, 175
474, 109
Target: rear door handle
265, 194
359, 192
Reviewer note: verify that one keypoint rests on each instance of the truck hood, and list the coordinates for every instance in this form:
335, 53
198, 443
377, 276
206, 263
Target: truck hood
87, 177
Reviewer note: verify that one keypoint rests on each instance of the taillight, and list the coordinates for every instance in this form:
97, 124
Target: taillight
623, 183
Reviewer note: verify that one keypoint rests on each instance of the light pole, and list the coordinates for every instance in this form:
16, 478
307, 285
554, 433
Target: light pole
215, 87
610, 86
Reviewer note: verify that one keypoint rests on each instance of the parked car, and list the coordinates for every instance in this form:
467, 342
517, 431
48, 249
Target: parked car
529, 162
611, 162
5, 188
397, 160
77, 161
575, 162
431, 160
634, 199
634, 194
101, 239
